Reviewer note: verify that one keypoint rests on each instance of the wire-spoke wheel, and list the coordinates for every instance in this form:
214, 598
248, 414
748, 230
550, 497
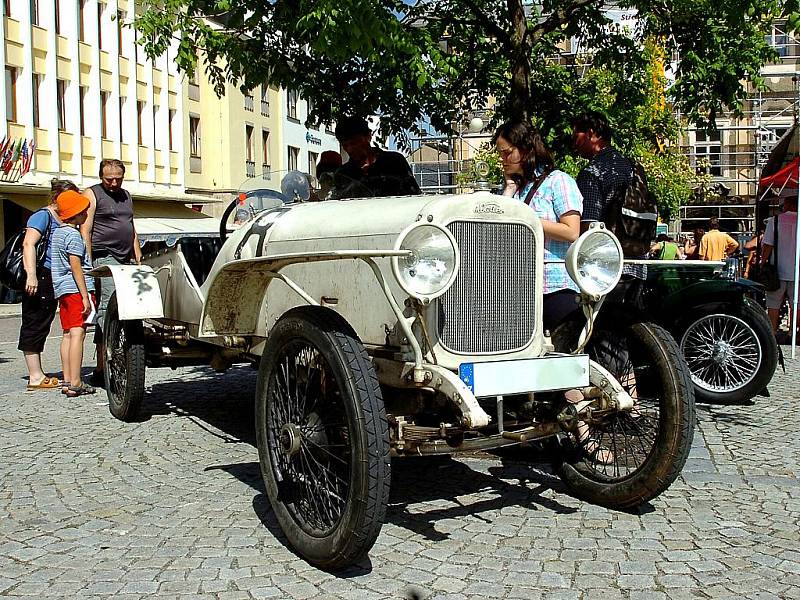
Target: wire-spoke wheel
731, 352
124, 363
323, 438
623, 459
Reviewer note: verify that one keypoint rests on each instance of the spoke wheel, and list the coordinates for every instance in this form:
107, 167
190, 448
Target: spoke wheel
323, 438
624, 459
731, 352
125, 364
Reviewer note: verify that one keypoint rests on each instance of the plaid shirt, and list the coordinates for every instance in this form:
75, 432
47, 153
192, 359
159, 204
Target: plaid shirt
599, 183
557, 195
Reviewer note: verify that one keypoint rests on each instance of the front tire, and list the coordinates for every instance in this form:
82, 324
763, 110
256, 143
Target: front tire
731, 352
125, 364
649, 445
323, 438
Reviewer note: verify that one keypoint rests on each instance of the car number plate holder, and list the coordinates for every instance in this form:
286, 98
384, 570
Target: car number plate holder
559, 372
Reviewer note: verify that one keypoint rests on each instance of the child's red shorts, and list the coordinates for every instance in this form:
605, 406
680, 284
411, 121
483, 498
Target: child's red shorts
71, 310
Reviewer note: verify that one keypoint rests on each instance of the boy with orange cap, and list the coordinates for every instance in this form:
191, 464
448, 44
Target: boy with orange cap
69, 264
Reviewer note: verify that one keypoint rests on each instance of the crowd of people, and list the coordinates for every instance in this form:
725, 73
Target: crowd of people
81, 231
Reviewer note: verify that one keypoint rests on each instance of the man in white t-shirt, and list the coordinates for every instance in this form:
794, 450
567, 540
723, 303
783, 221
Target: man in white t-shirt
787, 236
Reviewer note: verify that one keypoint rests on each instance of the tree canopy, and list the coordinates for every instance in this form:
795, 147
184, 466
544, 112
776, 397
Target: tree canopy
402, 59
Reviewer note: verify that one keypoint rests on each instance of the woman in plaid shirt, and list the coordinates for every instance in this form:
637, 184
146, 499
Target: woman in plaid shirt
531, 177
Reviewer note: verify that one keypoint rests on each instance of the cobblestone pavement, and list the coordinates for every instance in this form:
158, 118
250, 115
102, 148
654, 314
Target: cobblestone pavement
174, 506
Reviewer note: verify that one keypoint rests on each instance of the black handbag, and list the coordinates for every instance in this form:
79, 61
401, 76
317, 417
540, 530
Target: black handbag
12, 269
767, 273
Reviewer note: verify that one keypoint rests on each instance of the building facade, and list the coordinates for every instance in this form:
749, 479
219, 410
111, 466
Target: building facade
78, 89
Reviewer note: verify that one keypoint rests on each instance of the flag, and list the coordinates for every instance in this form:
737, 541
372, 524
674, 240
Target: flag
23, 157
4, 145
15, 155
5, 159
29, 160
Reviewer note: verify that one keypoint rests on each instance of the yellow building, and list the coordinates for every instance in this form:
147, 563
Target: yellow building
79, 89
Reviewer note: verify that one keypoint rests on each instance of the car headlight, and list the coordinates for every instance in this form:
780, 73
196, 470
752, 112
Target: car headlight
594, 261
430, 269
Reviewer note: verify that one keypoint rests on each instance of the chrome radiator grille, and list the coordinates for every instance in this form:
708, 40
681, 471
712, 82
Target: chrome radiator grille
490, 307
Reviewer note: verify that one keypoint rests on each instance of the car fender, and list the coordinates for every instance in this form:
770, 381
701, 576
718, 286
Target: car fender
701, 293
137, 289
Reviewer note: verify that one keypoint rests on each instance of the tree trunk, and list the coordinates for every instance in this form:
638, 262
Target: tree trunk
520, 63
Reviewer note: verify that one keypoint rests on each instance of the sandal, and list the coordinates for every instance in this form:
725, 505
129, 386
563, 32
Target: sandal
80, 390
47, 383
65, 387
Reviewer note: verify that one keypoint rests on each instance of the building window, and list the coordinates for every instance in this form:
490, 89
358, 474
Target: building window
82, 108
265, 162
291, 104
34, 12
329, 128
309, 110
778, 38
61, 106
248, 101
139, 122
121, 113
104, 113
313, 157
11, 94
265, 100
292, 158
194, 86
194, 136
57, 15
708, 149
120, 22
7, 8
248, 141
35, 83
101, 9
82, 20
171, 118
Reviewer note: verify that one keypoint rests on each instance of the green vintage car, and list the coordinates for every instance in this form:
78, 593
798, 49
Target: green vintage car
718, 320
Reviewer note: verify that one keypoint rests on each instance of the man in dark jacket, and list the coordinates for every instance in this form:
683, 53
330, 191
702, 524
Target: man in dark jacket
370, 171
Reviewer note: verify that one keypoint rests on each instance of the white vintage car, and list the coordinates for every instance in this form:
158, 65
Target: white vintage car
401, 326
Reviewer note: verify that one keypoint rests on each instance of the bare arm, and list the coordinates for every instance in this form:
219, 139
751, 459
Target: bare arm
32, 237
80, 281
137, 250
732, 245
567, 229
766, 250
86, 228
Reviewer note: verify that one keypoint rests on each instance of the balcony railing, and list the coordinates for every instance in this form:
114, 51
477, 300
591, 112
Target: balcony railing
264, 108
266, 171
250, 168
248, 103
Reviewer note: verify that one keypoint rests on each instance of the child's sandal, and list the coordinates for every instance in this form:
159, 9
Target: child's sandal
81, 390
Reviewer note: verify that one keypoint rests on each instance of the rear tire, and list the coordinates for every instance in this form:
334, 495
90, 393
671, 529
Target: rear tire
125, 364
323, 438
651, 443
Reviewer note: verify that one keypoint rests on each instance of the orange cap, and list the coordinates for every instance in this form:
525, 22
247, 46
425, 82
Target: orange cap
71, 203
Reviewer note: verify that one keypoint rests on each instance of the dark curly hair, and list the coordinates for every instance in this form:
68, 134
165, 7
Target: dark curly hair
527, 139
60, 185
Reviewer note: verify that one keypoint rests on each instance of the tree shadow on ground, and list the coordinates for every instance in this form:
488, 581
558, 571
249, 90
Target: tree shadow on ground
717, 414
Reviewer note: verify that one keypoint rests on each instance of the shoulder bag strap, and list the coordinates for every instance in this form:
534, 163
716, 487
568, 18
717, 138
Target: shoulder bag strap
775, 230
539, 181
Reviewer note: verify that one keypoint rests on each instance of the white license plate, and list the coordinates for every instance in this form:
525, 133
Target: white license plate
560, 372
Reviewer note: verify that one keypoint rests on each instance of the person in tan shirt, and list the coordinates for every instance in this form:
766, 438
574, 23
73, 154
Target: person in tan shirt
716, 244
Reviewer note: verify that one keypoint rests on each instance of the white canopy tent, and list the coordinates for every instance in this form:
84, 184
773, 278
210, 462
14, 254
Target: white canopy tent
783, 182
